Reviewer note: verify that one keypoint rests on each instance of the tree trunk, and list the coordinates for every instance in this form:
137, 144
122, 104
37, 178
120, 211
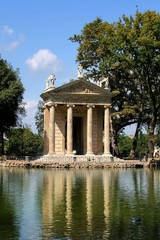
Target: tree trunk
2, 142
151, 128
114, 144
135, 139
150, 141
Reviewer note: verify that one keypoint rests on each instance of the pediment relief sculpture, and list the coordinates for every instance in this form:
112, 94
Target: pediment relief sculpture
73, 89
80, 86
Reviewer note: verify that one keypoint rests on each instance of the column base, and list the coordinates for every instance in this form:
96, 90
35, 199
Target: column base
108, 156
52, 153
69, 154
90, 154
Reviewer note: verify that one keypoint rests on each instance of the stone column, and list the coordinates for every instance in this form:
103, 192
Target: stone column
46, 130
70, 129
106, 131
52, 130
90, 130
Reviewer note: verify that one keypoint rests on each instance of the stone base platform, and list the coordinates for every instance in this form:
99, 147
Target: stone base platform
75, 158
117, 163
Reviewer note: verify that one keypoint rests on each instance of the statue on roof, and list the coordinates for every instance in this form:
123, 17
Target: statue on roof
50, 81
80, 71
103, 82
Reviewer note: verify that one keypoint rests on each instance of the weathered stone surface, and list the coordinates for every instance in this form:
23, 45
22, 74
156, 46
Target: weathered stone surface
53, 164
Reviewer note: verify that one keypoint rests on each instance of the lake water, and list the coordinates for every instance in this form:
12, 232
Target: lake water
79, 204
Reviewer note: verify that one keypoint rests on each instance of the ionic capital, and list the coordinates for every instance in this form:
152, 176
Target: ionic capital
90, 106
70, 105
107, 106
49, 104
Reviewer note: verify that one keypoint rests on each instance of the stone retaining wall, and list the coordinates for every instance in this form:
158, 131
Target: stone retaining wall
53, 164
75, 158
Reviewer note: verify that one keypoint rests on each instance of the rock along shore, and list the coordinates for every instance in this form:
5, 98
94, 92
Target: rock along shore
50, 164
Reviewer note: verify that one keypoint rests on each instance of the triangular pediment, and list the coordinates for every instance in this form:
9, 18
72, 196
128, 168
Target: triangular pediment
80, 87
79, 91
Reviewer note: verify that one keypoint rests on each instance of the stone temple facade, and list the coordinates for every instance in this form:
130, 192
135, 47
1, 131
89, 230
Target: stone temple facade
76, 121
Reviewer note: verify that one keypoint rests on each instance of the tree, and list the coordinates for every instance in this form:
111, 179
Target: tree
39, 118
32, 143
11, 96
125, 143
127, 53
23, 142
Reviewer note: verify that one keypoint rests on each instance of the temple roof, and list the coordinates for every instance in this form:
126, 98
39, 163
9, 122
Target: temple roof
78, 91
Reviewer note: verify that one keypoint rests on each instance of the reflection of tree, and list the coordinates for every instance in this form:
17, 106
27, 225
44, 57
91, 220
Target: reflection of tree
8, 228
118, 208
132, 195
122, 206
151, 206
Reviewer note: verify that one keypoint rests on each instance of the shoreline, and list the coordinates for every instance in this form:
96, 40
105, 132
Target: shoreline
68, 165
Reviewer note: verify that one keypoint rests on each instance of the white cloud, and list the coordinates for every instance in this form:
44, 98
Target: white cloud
44, 60
15, 43
8, 30
9, 40
12, 45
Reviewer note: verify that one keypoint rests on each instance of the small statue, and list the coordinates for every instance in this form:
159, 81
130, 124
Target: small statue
80, 71
52, 79
104, 82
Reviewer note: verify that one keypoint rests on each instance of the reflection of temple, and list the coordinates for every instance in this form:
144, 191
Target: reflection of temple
53, 196
76, 120
89, 190
63, 202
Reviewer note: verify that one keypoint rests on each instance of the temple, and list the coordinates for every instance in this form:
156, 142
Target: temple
77, 120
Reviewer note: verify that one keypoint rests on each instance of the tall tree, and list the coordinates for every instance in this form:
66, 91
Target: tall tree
126, 52
22, 142
11, 96
39, 118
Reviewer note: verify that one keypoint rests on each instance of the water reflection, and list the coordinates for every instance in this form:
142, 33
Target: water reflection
79, 204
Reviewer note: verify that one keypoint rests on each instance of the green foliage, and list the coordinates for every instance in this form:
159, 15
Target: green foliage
14, 143
39, 118
126, 52
142, 146
125, 143
23, 142
11, 96
158, 139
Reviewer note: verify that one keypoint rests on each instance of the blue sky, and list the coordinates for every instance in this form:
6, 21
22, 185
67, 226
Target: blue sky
34, 38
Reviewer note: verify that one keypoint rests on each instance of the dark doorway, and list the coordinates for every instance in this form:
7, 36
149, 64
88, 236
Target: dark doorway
78, 135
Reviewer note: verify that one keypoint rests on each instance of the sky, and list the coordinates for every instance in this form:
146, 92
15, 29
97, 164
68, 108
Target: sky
34, 38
